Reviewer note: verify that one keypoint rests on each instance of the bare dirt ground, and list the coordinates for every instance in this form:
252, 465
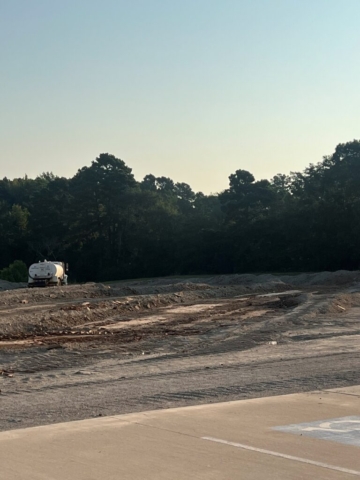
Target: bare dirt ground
87, 350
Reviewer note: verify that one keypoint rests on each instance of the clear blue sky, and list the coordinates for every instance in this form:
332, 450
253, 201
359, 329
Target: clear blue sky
189, 89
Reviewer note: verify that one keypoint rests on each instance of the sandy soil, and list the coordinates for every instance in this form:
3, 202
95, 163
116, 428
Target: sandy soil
74, 352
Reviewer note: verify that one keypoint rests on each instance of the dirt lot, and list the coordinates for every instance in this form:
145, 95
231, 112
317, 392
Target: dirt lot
87, 350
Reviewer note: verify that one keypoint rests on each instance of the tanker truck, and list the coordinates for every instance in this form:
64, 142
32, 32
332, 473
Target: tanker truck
47, 274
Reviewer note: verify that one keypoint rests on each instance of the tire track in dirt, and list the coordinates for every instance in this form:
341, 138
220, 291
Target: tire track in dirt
173, 388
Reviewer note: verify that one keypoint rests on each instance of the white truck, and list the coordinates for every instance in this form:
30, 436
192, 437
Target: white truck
47, 274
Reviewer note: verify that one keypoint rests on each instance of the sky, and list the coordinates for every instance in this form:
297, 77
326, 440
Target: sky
188, 89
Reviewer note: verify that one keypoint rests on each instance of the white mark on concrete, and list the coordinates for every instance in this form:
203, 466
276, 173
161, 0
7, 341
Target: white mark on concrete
283, 455
343, 430
332, 426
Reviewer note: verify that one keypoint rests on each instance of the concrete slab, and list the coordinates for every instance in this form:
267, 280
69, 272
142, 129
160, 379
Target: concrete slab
235, 440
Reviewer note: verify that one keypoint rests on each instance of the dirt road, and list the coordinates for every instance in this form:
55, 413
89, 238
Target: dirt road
88, 350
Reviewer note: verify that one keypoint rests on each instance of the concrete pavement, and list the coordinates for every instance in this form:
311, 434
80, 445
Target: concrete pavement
313, 435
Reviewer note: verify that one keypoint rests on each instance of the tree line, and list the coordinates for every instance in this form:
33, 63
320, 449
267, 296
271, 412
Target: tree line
109, 226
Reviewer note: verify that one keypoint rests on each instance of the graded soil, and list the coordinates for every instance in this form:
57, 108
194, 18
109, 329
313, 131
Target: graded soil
81, 351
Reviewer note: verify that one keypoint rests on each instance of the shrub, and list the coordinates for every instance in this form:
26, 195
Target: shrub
16, 272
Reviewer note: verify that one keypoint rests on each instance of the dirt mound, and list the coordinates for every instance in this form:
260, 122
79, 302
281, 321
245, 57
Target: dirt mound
251, 281
160, 286
341, 303
5, 285
203, 282
341, 277
248, 280
338, 278
39, 310
170, 288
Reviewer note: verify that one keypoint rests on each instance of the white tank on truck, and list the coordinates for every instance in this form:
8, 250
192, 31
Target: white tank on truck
47, 274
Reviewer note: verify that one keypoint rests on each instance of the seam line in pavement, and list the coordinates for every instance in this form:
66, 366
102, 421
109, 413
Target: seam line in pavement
283, 455
148, 425
342, 393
